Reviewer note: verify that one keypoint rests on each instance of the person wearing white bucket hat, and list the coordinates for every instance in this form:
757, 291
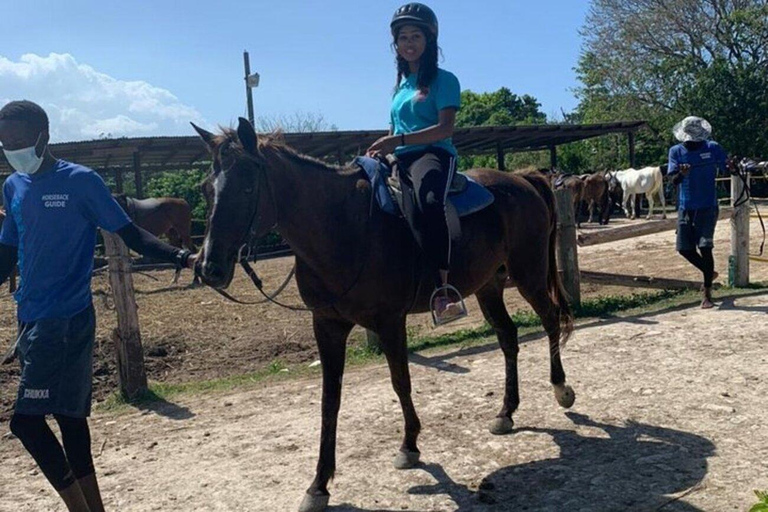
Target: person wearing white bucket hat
694, 165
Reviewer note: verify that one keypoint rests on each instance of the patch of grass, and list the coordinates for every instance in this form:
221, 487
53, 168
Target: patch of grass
602, 306
528, 321
276, 366
762, 505
359, 353
164, 391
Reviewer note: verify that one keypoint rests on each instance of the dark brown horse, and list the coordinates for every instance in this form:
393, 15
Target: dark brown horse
575, 184
357, 265
595, 193
12, 277
167, 216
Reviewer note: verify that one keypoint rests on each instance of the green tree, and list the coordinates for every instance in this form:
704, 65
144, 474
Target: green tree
661, 60
500, 108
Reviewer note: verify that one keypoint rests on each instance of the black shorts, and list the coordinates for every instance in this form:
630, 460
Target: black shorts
56, 357
696, 228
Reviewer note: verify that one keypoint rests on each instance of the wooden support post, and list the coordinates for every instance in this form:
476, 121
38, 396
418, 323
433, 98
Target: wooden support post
631, 141
119, 181
137, 175
131, 375
567, 256
738, 263
499, 156
553, 157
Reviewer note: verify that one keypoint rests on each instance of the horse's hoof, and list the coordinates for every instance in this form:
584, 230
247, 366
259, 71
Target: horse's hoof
502, 426
406, 459
314, 502
565, 395
664, 217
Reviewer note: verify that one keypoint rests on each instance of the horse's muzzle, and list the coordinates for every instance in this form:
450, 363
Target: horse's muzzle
215, 275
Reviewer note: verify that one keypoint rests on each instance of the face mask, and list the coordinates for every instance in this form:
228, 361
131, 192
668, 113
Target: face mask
25, 159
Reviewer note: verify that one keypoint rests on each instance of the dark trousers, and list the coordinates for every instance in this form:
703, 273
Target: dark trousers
424, 176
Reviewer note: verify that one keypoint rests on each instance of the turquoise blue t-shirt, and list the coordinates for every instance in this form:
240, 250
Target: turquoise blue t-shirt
413, 111
52, 219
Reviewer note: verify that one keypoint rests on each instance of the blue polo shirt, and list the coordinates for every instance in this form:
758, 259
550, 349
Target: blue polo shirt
412, 110
697, 190
52, 219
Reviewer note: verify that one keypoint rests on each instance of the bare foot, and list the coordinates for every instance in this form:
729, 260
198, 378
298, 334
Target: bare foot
706, 301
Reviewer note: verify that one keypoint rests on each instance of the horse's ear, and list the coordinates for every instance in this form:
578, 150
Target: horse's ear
205, 135
247, 135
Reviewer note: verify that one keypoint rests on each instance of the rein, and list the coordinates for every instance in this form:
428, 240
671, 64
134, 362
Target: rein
244, 254
746, 196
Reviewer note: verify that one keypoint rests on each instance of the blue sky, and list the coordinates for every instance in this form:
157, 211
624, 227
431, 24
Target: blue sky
147, 68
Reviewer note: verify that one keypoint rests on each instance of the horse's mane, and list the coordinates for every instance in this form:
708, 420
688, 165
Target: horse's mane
274, 142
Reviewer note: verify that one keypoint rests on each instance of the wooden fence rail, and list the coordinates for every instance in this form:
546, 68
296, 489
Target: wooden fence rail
634, 230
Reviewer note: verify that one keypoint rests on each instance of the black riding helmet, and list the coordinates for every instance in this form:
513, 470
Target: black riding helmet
414, 14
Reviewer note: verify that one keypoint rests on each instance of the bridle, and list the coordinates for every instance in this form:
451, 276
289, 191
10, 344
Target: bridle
245, 253
740, 169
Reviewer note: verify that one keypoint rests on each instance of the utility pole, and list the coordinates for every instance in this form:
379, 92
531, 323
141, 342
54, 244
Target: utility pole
251, 81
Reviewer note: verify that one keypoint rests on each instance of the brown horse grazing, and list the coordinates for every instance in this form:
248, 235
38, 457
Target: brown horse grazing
12, 277
595, 192
358, 265
167, 216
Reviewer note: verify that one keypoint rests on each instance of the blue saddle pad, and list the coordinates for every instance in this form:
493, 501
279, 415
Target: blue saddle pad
472, 199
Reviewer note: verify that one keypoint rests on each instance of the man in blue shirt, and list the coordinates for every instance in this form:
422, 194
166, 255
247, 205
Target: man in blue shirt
53, 209
694, 165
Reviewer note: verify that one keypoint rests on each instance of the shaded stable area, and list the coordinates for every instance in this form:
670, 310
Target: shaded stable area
136, 158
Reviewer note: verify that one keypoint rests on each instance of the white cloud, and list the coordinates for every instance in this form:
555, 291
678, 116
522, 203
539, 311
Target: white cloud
85, 104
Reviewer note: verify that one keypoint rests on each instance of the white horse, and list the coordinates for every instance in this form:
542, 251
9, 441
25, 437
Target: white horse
648, 181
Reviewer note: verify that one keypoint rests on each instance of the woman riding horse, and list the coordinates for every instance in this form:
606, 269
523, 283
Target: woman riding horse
422, 117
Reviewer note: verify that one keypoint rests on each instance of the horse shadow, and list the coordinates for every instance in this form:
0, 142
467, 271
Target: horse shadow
634, 467
438, 363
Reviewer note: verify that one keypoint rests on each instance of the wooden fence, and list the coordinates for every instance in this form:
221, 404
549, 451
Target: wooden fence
568, 244
127, 337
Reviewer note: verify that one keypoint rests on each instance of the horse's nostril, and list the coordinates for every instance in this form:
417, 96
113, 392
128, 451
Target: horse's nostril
210, 269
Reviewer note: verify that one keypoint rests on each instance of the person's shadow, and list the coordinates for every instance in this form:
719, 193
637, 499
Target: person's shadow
636, 467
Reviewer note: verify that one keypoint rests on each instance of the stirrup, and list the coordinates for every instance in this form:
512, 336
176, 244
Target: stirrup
455, 309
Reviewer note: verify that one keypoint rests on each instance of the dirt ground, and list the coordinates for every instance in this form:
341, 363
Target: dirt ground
670, 415
192, 334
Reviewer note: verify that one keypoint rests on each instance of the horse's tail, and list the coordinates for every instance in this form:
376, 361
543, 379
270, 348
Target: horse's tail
658, 183
554, 283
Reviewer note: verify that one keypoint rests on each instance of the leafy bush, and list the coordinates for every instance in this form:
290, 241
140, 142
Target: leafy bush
762, 506
182, 184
